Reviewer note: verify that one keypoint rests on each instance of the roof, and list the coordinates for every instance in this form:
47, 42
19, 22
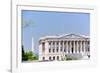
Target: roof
71, 35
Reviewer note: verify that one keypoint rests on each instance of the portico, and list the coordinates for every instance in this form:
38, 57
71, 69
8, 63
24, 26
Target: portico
57, 47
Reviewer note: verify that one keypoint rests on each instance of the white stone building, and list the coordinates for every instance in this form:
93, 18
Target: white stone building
53, 48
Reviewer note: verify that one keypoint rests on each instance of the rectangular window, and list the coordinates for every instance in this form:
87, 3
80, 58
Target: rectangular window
53, 50
49, 50
49, 43
61, 49
43, 58
43, 47
57, 49
57, 57
65, 50
49, 58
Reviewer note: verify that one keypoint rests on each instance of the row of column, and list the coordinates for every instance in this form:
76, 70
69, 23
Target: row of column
70, 46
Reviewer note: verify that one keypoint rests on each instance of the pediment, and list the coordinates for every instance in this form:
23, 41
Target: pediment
72, 36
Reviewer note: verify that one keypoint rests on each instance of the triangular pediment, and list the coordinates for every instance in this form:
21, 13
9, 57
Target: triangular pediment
72, 36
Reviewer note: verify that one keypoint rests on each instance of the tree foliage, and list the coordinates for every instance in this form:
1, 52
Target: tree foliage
28, 56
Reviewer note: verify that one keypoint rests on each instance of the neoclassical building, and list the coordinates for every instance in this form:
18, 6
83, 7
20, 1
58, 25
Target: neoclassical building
53, 48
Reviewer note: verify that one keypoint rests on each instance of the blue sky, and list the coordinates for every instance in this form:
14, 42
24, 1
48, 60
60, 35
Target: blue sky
43, 23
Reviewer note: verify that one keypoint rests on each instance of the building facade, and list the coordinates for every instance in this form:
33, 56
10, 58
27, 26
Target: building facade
52, 48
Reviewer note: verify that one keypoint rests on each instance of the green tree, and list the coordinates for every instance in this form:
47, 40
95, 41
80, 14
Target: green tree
68, 58
35, 57
28, 56
23, 54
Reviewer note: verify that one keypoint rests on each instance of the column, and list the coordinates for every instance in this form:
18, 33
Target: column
67, 47
74, 47
83, 46
63, 50
46, 50
77, 49
55, 46
59, 46
70, 47
63, 47
86, 47
80, 46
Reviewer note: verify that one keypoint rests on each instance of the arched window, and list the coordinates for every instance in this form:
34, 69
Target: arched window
53, 57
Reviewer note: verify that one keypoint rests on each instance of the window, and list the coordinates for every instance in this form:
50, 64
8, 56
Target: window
43, 58
49, 50
72, 49
53, 57
57, 49
53, 43
88, 43
49, 43
49, 58
61, 49
61, 44
57, 57
43, 47
65, 50
65, 43
57, 43
88, 49
53, 50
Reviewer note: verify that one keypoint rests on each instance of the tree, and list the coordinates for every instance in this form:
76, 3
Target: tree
24, 56
68, 58
29, 55
23, 53
35, 57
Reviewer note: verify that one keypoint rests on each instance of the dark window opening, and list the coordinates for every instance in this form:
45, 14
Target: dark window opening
61, 49
88, 49
57, 49
43, 58
65, 50
54, 58
53, 50
57, 57
72, 50
49, 50
49, 58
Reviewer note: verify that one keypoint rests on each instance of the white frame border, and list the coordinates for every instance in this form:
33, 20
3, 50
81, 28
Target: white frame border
17, 66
